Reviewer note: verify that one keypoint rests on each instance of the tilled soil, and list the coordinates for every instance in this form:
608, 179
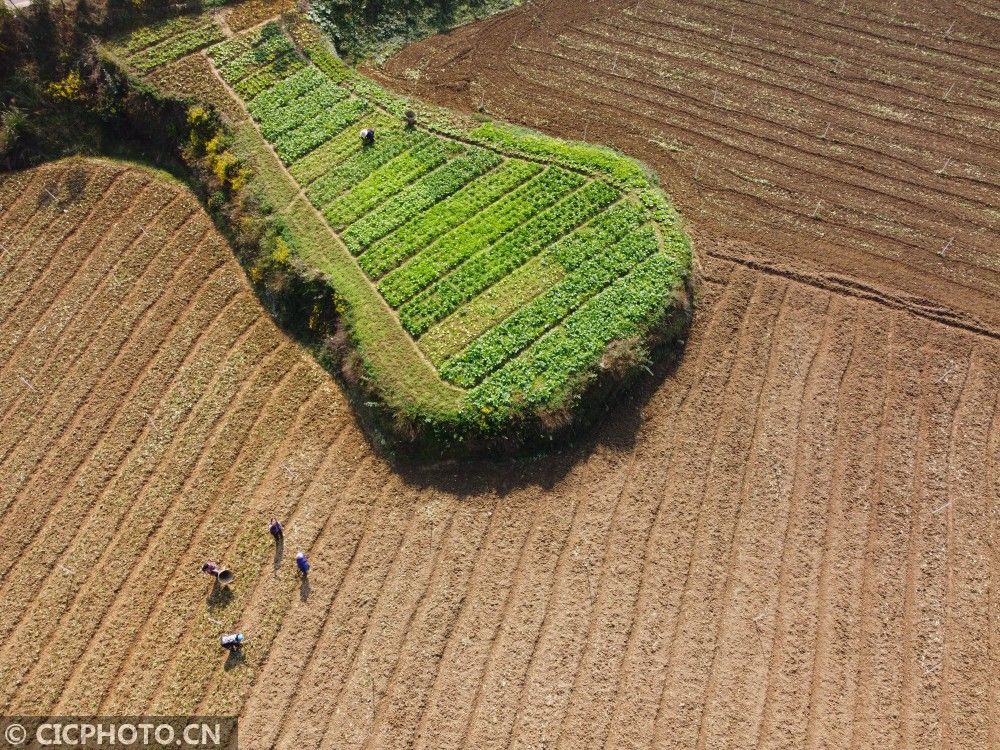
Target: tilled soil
855, 142
787, 541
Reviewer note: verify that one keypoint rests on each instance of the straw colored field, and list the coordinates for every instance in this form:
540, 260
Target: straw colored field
789, 542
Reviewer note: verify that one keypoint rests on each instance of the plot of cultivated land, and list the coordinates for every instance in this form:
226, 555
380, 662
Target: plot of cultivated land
791, 542
486, 270
153, 46
851, 139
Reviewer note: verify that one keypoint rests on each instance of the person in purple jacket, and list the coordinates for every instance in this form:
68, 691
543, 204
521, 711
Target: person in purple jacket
276, 530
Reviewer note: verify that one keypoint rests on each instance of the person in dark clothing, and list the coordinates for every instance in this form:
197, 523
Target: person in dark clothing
223, 575
232, 642
302, 562
276, 530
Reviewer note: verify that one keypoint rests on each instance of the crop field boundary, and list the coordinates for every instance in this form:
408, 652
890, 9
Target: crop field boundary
852, 143
859, 290
787, 536
448, 132
526, 261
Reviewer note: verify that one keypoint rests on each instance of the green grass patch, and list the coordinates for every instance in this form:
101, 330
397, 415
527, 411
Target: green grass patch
269, 179
485, 271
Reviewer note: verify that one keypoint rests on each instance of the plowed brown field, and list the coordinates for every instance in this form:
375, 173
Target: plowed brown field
790, 541
843, 139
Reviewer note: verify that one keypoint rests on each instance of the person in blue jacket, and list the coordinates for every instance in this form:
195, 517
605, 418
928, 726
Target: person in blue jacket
302, 562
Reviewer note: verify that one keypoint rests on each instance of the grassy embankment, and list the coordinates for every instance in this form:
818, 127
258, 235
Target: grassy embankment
495, 281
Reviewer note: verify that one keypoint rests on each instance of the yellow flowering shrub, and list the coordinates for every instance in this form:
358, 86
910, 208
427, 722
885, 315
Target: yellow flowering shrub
68, 88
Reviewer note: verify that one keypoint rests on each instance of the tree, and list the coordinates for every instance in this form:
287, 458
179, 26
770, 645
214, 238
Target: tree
9, 46
43, 37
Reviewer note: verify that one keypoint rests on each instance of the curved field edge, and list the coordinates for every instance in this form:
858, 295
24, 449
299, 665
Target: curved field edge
396, 381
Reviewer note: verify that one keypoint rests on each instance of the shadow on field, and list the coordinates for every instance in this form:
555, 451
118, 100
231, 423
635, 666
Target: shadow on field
279, 553
234, 660
219, 597
616, 426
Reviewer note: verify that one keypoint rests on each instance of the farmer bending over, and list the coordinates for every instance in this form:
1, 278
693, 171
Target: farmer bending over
232, 642
276, 531
302, 562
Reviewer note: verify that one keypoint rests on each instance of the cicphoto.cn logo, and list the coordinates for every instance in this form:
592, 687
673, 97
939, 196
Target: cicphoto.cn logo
214, 732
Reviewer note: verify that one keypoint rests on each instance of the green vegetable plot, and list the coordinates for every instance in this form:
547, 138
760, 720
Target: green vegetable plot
485, 270
150, 47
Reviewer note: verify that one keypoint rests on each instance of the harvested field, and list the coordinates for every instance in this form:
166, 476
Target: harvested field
841, 139
789, 542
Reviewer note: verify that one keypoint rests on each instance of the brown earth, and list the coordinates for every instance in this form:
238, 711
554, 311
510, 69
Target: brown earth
858, 143
788, 541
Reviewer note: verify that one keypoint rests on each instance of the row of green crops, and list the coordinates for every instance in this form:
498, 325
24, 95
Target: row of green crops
604, 230
353, 170
236, 62
488, 267
239, 45
284, 91
388, 180
276, 120
478, 233
610, 259
422, 229
418, 197
176, 47
547, 269
297, 107
451, 335
297, 143
336, 150
270, 75
551, 367
364, 192
481, 269
147, 36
